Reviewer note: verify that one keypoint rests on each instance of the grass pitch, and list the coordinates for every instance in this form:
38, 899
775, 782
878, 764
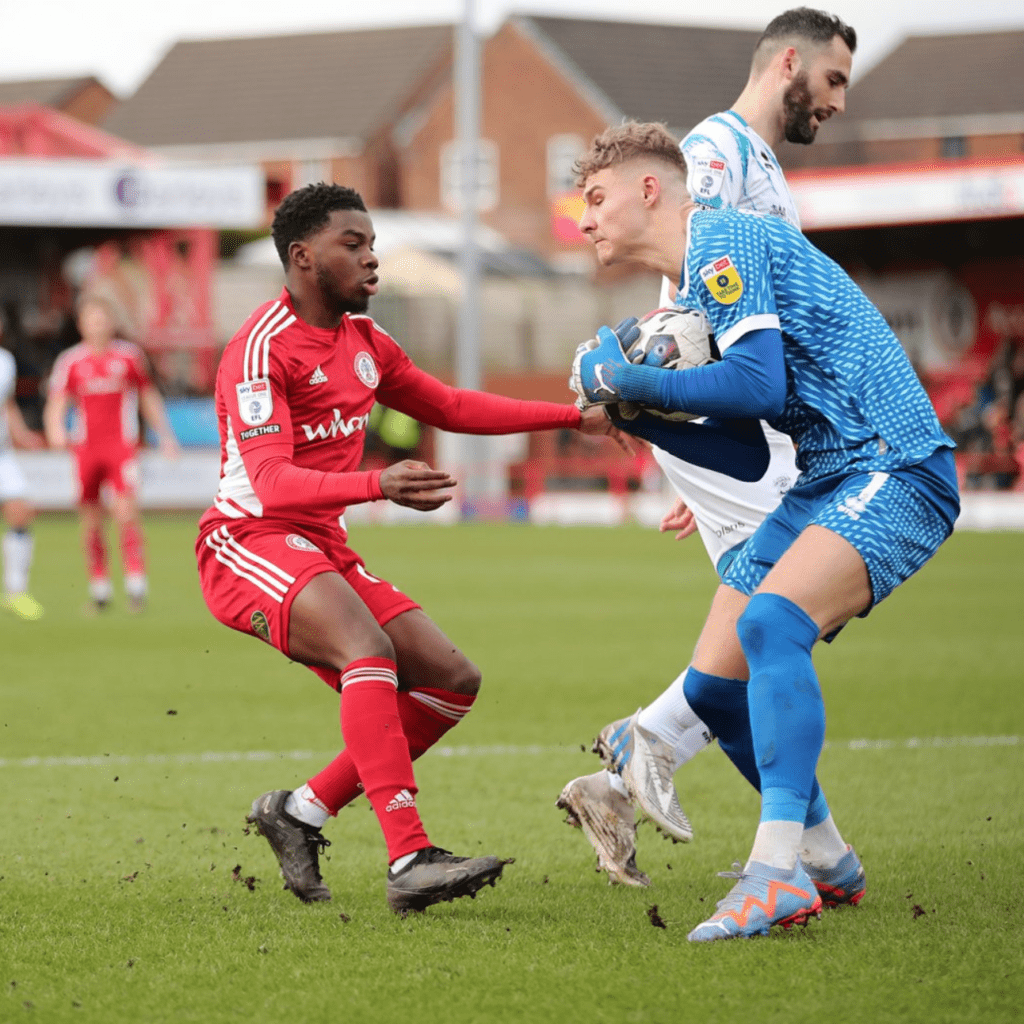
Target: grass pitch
131, 748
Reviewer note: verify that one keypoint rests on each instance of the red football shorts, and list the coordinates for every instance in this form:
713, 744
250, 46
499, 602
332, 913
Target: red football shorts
251, 570
117, 466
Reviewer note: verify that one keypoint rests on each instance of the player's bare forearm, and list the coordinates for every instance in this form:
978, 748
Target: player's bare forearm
54, 414
416, 485
155, 414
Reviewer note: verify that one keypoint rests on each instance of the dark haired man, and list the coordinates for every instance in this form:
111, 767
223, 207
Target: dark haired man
294, 392
798, 76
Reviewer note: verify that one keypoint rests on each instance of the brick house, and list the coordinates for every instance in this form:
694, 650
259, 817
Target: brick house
305, 107
85, 98
548, 86
547, 83
933, 98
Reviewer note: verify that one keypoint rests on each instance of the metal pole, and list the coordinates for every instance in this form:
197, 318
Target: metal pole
467, 118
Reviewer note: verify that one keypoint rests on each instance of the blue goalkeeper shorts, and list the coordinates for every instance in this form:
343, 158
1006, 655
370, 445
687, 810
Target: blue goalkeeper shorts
896, 521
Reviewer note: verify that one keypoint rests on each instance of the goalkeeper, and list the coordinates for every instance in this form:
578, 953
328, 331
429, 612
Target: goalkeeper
799, 72
806, 351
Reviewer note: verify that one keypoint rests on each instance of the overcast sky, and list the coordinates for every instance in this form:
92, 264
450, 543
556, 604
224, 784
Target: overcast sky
121, 41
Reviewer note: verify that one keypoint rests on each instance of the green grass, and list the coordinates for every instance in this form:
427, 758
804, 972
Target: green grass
120, 900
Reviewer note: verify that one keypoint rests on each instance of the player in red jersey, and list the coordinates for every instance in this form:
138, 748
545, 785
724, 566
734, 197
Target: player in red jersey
107, 379
294, 392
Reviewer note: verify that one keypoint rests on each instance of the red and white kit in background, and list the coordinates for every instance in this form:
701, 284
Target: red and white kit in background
293, 403
105, 387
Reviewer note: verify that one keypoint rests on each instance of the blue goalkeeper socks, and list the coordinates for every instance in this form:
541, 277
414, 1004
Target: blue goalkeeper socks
721, 705
787, 713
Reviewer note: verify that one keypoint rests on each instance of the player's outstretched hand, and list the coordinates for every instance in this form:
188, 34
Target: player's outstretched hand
679, 517
416, 485
595, 420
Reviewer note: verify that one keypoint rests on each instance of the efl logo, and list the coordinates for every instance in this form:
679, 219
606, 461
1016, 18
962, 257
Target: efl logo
255, 401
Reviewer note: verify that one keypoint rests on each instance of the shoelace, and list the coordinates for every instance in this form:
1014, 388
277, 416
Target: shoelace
737, 871
316, 843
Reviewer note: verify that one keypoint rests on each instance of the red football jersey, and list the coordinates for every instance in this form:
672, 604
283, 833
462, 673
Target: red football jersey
105, 386
293, 403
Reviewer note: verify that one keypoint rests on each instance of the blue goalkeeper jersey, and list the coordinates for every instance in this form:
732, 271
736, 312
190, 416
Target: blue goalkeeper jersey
853, 401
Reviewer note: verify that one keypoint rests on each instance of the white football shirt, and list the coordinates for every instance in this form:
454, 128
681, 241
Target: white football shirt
730, 165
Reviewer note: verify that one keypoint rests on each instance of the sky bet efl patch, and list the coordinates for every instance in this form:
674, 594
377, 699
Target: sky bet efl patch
723, 280
706, 177
255, 403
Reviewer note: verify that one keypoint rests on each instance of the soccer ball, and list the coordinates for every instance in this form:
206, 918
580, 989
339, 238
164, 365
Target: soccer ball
672, 339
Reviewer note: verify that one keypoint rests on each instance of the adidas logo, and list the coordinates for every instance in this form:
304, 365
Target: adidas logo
319, 377
403, 798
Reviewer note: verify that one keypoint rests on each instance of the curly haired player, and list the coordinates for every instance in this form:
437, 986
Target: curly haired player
294, 392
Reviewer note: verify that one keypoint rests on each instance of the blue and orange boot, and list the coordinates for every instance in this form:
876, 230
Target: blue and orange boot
763, 896
841, 885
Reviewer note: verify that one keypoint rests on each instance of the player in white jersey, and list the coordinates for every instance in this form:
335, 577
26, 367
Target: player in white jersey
18, 513
798, 77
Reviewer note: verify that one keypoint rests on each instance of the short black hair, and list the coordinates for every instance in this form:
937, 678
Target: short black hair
811, 24
307, 210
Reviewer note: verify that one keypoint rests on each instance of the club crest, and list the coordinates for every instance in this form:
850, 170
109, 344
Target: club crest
366, 369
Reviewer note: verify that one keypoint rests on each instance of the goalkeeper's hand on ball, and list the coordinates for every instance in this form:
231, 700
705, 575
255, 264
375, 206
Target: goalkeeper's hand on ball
598, 367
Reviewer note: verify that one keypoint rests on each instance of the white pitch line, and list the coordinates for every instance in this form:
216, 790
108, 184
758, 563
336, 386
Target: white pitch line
220, 757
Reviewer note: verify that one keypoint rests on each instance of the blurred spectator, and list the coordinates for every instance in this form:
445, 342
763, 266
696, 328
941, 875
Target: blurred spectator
989, 430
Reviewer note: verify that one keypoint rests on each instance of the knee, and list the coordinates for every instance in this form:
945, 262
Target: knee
772, 623
465, 677
754, 624
339, 652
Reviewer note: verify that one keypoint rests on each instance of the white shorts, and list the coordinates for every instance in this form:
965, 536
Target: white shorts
12, 480
728, 510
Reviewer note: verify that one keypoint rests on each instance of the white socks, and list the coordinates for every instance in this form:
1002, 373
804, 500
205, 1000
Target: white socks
673, 721
777, 844
17, 547
136, 585
306, 806
822, 846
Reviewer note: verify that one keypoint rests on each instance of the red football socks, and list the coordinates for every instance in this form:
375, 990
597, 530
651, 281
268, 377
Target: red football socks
133, 550
373, 734
426, 715
95, 553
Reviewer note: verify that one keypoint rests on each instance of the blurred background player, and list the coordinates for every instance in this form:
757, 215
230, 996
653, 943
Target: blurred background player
18, 513
106, 378
804, 349
294, 392
798, 78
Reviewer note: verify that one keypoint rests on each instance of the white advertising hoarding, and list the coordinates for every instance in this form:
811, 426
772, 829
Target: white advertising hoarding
893, 195
109, 193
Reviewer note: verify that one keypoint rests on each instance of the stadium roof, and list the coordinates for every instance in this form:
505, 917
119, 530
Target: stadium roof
948, 75
323, 85
671, 73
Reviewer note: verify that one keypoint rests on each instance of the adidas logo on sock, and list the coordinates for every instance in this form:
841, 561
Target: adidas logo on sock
319, 377
403, 798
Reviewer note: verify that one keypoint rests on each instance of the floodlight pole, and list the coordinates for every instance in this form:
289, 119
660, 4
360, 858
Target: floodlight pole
467, 118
